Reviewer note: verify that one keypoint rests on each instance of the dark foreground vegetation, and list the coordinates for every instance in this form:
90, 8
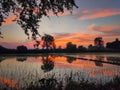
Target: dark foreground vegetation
53, 84
50, 84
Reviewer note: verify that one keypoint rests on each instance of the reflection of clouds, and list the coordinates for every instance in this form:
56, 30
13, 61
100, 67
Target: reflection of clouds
10, 83
62, 61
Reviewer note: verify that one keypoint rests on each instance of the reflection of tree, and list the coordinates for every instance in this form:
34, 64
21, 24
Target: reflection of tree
114, 59
70, 59
99, 58
21, 58
48, 64
2, 58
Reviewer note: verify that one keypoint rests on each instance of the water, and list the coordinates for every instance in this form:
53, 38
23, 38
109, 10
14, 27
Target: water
23, 69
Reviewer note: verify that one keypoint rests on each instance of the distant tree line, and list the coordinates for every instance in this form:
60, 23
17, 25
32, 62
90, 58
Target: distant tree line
49, 46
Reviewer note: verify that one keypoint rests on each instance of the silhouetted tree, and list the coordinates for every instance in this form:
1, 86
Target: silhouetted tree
36, 45
81, 48
99, 43
113, 45
22, 48
70, 46
90, 47
48, 42
2, 49
28, 13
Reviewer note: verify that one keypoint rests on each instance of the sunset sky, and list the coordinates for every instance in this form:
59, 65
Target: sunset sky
92, 19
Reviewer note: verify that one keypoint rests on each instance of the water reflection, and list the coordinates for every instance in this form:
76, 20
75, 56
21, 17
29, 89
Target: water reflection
70, 59
21, 58
37, 67
48, 64
2, 58
99, 58
114, 59
8, 83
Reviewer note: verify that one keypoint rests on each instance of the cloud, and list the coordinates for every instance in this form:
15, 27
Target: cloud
13, 45
61, 39
13, 18
9, 20
98, 13
105, 28
50, 13
76, 38
82, 39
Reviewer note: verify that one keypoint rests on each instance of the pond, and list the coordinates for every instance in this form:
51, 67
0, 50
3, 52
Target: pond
24, 69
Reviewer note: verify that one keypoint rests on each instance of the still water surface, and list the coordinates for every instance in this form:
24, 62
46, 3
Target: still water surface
24, 69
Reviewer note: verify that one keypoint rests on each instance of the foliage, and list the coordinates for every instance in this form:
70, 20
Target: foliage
53, 84
113, 45
28, 13
48, 41
70, 46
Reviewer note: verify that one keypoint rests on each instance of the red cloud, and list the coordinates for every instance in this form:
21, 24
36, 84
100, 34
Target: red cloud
107, 28
62, 14
12, 19
76, 38
62, 39
98, 13
9, 20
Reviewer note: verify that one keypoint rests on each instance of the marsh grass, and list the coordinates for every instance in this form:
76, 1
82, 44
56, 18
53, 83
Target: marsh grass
51, 82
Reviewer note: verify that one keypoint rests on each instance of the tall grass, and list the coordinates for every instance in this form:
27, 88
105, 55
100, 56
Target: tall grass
51, 82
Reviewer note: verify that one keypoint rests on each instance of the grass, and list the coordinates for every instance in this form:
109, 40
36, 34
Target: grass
51, 83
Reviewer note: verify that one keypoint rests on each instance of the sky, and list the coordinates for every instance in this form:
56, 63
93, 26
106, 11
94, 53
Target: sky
93, 18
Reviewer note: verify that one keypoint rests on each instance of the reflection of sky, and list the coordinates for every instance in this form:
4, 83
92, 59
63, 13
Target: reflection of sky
93, 18
30, 70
